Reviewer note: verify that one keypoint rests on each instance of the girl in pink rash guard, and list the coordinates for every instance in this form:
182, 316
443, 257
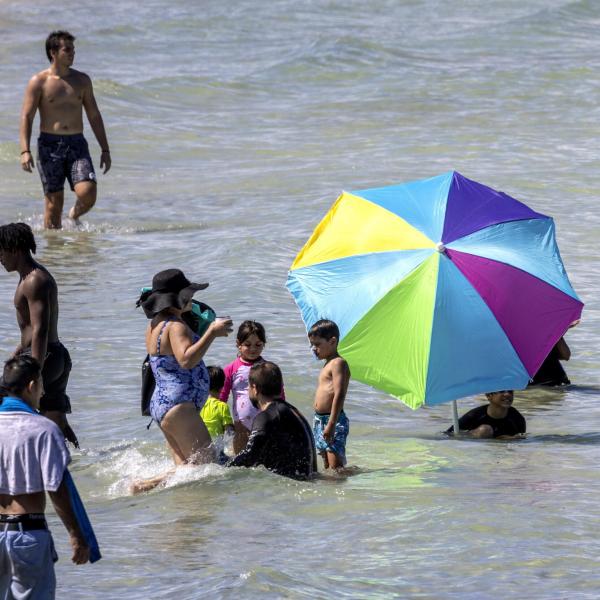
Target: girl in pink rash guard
251, 340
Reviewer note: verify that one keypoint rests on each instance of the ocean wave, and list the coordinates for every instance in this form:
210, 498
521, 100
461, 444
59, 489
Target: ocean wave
160, 97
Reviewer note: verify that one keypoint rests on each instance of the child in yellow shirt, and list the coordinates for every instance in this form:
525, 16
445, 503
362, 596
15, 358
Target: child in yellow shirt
215, 413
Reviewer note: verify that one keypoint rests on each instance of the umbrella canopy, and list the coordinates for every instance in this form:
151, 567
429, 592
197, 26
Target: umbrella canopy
441, 288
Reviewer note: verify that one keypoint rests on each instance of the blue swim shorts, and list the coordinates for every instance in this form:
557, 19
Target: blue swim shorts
63, 157
342, 428
27, 564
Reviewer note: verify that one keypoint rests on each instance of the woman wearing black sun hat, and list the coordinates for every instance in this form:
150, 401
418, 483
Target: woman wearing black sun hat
176, 354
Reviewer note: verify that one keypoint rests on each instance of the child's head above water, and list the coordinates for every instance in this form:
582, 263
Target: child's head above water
251, 340
503, 398
324, 336
216, 376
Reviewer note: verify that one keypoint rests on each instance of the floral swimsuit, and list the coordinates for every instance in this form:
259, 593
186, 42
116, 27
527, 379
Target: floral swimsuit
174, 384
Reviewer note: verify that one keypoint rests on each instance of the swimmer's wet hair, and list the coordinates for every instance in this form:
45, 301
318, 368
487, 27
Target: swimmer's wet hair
489, 394
19, 372
248, 328
54, 39
267, 378
216, 376
325, 329
17, 236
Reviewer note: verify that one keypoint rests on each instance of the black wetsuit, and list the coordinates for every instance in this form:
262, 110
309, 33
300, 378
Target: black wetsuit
551, 372
281, 440
512, 424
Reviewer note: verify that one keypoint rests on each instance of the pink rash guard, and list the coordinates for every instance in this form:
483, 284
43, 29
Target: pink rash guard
236, 382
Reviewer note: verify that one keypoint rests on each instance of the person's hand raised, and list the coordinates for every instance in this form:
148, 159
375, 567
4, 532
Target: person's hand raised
222, 326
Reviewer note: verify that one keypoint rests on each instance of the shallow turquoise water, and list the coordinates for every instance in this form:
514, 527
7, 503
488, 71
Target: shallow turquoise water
233, 128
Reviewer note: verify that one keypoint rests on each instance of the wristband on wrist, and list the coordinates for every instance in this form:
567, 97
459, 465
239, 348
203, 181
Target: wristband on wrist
25, 152
105, 151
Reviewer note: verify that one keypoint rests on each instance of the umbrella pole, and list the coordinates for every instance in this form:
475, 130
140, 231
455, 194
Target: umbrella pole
455, 417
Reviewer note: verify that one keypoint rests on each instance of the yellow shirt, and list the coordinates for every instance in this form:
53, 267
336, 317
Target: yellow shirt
216, 416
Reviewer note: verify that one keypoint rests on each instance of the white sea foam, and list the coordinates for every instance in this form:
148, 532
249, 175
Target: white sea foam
123, 464
36, 222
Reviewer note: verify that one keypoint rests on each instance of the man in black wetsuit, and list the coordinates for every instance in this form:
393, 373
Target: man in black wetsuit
36, 304
498, 419
281, 440
552, 373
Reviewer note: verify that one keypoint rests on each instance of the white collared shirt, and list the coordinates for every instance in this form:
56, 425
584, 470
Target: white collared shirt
33, 454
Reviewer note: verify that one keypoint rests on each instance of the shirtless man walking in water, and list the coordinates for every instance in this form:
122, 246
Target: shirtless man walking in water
36, 304
60, 93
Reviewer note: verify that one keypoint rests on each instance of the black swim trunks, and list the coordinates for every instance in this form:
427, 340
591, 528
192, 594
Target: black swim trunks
55, 375
63, 156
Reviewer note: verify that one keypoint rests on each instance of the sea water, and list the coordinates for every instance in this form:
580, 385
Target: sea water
233, 127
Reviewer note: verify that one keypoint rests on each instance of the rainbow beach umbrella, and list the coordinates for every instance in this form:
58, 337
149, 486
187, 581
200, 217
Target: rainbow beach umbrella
441, 288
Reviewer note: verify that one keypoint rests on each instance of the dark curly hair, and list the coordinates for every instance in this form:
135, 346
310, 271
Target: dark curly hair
17, 237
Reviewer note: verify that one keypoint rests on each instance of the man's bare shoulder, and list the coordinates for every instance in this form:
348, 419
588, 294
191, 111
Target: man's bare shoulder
75, 78
38, 80
39, 281
80, 77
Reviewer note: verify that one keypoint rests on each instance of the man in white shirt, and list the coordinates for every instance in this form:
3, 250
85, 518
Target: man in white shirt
33, 460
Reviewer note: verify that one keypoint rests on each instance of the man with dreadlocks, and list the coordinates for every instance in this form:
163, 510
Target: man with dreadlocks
36, 303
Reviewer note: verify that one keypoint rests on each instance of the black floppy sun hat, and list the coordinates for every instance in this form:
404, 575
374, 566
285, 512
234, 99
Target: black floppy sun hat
170, 288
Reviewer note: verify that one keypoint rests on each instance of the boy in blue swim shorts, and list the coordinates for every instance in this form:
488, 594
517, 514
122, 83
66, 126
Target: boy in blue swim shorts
330, 424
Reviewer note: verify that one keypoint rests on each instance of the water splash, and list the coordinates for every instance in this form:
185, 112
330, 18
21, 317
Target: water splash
36, 222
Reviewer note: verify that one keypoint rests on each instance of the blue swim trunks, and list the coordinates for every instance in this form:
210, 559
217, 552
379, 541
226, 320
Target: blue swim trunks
63, 156
342, 428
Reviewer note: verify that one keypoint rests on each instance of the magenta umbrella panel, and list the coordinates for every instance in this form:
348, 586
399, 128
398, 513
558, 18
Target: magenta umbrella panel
442, 288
